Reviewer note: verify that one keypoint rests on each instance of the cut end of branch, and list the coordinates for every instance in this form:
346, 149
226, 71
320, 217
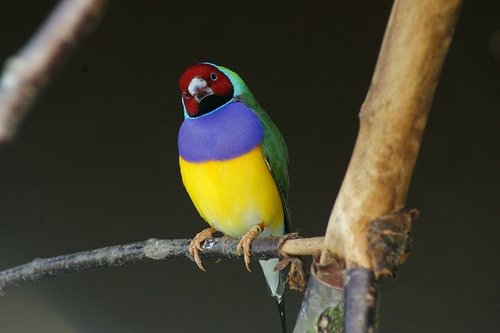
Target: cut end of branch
331, 274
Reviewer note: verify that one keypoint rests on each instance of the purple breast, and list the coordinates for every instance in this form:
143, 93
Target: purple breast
229, 132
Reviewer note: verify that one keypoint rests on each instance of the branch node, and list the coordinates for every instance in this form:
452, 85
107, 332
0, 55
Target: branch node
390, 241
154, 249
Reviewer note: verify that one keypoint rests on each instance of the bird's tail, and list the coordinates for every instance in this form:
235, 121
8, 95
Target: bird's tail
281, 310
276, 285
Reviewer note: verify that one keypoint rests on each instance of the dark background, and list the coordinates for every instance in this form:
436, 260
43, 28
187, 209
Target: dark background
95, 164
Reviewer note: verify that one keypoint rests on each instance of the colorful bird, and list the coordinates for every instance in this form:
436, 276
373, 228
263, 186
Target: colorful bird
233, 162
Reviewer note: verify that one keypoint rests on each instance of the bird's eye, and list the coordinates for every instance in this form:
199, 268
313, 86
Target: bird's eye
186, 95
213, 76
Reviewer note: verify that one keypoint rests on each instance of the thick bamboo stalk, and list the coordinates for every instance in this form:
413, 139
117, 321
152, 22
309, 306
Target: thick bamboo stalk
392, 121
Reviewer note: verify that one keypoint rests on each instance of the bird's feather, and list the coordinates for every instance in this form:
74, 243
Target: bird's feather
274, 146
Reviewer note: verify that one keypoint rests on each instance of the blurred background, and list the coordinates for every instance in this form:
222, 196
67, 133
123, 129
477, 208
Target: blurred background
95, 164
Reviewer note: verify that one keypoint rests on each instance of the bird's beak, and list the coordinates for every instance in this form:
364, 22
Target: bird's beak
199, 89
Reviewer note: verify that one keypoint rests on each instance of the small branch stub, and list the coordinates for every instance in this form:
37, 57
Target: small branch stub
321, 309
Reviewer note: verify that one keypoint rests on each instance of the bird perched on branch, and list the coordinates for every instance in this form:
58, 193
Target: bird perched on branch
233, 162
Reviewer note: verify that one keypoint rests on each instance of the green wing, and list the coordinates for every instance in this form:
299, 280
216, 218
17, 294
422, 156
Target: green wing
274, 146
276, 154
275, 150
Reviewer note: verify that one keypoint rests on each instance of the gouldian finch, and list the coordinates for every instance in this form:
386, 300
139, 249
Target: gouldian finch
233, 162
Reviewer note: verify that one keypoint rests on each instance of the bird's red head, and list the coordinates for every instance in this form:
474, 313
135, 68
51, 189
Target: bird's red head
204, 88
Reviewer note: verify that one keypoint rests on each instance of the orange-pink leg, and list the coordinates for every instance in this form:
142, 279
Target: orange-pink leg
245, 242
195, 245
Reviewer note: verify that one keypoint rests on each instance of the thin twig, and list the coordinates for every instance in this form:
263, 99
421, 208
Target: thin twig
26, 73
359, 300
149, 250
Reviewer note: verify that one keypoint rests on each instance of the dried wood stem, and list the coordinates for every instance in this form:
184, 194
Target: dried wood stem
392, 121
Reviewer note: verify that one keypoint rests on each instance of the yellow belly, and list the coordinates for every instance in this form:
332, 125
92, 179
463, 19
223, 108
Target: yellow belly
235, 195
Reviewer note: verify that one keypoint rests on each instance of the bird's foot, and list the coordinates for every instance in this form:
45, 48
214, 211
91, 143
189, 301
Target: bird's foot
195, 245
245, 242
296, 276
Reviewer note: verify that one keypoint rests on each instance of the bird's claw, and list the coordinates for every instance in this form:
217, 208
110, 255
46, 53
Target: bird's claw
245, 242
195, 245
